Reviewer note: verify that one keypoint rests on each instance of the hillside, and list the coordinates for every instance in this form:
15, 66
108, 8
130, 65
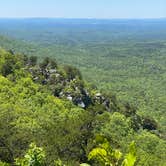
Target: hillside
67, 121
126, 57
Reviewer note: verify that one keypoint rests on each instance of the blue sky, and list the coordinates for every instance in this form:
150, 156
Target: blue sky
84, 8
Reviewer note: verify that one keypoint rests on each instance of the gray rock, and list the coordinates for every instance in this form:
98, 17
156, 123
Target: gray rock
81, 104
52, 71
69, 98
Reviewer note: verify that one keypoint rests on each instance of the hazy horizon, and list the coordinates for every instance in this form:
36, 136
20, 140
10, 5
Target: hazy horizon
95, 9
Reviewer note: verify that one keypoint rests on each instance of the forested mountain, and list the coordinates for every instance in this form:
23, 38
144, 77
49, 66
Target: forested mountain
82, 92
126, 57
67, 121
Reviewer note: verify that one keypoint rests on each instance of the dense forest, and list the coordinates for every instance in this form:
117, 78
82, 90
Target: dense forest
107, 109
65, 121
126, 57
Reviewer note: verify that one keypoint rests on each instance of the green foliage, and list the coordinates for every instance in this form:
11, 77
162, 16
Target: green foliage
105, 155
4, 164
150, 149
30, 113
100, 155
84, 164
128, 62
32, 60
59, 163
130, 158
8, 63
47, 62
35, 156
117, 128
72, 72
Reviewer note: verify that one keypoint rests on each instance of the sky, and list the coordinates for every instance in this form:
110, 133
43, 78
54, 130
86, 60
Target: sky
83, 8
